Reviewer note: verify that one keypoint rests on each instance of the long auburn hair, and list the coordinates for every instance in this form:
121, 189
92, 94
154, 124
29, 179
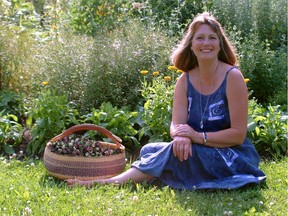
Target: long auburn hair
184, 59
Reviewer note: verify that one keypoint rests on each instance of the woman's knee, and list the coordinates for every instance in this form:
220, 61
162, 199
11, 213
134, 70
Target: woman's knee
151, 148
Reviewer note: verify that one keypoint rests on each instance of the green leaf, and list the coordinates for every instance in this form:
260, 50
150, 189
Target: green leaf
9, 149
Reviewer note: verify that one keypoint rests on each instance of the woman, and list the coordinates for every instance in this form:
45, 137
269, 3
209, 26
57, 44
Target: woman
209, 120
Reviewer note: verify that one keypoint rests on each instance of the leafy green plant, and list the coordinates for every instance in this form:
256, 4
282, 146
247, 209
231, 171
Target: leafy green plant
260, 17
121, 122
92, 16
265, 67
157, 110
115, 61
268, 131
12, 103
48, 115
10, 132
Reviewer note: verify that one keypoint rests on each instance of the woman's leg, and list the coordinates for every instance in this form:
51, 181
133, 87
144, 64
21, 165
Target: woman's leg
131, 174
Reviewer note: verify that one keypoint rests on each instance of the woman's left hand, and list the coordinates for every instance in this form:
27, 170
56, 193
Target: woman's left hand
184, 130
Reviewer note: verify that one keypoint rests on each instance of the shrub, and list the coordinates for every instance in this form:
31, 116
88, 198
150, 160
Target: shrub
265, 68
268, 130
121, 122
66, 65
157, 110
104, 69
48, 114
12, 103
261, 17
116, 60
16, 51
90, 17
10, 133
172, 16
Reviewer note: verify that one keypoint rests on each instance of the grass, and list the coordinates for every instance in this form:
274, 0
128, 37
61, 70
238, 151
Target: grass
26, 189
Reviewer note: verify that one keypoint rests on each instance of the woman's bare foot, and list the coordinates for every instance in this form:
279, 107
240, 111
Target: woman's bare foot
131, 174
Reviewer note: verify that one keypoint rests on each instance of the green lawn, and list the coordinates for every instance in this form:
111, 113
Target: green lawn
27, 190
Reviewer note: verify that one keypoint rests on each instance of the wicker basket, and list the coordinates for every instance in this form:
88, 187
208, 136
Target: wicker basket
85, 168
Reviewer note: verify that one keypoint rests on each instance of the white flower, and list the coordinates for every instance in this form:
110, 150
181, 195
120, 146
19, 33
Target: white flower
27, 211
109, 210
136, 5
228, 213
135, 198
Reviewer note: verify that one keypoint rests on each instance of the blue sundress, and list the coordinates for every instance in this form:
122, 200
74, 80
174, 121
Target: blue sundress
208, 168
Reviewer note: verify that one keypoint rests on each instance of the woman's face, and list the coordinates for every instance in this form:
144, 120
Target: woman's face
205, 43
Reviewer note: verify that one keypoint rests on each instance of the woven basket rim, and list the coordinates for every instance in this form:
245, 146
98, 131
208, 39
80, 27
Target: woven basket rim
83, 158
81, 127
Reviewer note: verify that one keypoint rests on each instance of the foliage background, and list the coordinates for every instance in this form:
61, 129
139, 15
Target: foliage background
92, 52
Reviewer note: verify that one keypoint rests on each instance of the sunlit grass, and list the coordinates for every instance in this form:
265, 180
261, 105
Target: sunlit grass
26, 189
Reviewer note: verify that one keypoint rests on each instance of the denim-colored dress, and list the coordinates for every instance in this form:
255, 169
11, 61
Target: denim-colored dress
208, 168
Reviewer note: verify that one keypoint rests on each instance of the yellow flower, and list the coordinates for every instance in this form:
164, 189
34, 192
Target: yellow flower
54, 27
167, 78
155, 73
172, 67
246, 80
179, 71
45, 83
144, 72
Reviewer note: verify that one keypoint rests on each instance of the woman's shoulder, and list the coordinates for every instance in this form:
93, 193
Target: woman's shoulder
235, 79
231, 71
183, 77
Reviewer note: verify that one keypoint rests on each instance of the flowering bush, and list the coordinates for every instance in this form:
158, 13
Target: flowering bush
157, 110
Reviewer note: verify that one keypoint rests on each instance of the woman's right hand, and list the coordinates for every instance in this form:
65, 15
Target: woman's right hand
182, 147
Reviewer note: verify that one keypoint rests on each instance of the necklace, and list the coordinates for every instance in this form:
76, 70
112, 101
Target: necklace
200, 95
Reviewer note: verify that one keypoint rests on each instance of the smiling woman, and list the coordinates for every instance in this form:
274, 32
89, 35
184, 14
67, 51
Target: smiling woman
209, 120
205, 43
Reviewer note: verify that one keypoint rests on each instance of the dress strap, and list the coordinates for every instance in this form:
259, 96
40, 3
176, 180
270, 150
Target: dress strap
230, 70
187, 78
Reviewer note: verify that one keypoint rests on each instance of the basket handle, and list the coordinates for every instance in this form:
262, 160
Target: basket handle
82, 127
